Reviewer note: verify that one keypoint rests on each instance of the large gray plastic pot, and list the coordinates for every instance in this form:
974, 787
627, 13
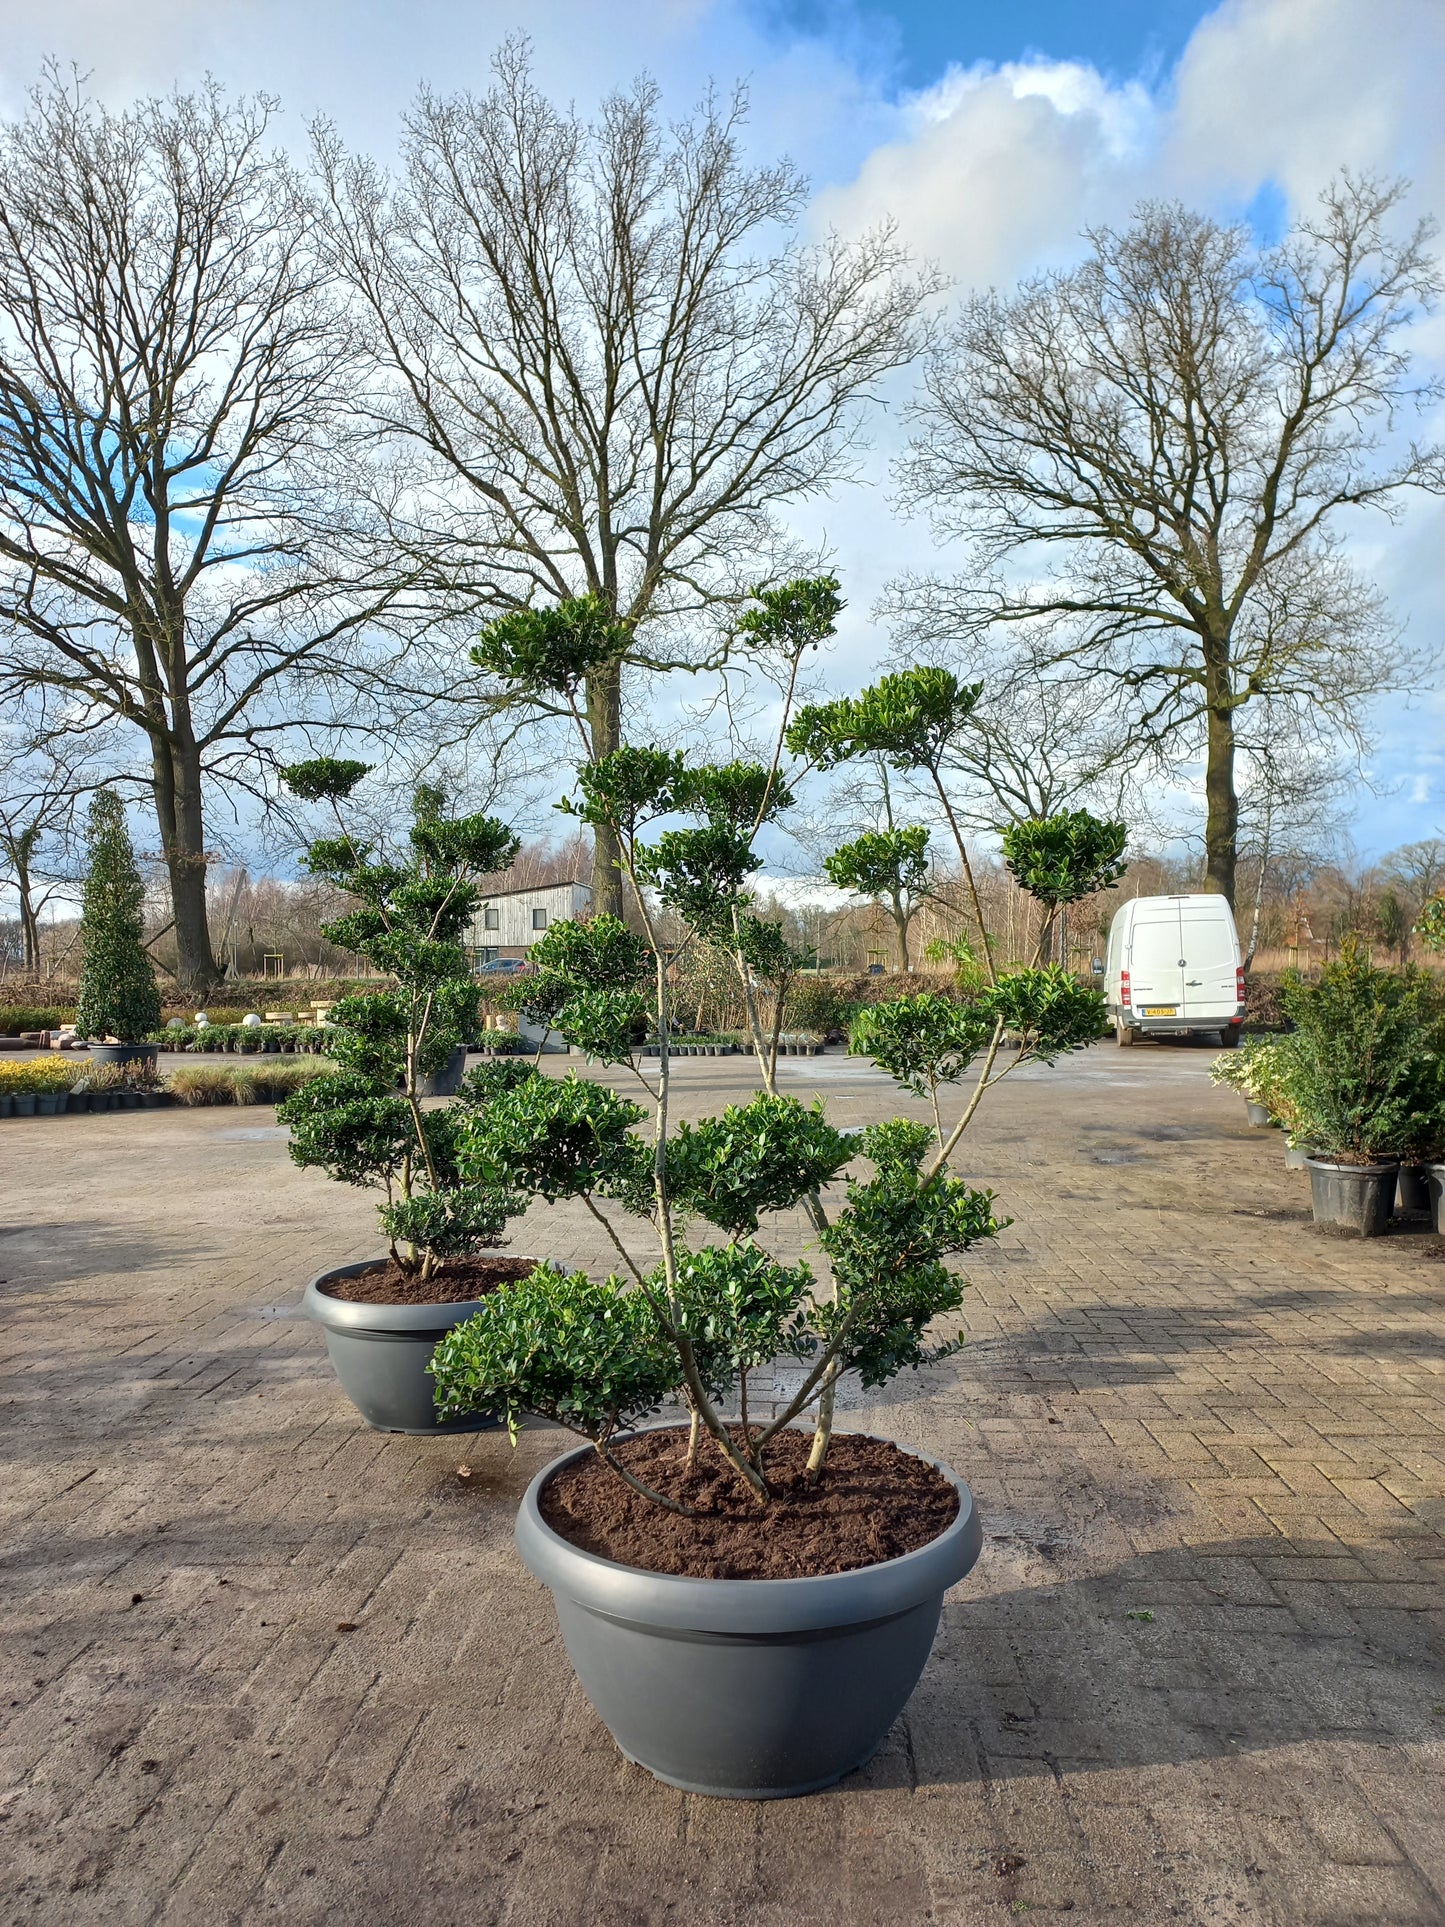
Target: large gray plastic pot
448, 1080
1259, 1115
123, 1053
1435, 1186
1353, 1197
381, 1353
747, 1689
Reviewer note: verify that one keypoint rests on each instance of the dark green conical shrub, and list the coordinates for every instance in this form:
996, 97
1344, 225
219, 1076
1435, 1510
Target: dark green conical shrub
118, 993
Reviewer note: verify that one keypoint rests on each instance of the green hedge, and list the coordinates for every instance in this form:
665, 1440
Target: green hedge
19, 1017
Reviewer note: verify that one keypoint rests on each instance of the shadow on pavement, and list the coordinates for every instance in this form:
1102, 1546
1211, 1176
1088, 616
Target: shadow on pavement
1198, 1653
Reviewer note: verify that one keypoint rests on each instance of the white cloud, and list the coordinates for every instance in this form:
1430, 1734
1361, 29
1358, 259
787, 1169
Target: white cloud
802, 893
361, 61
993, 171
1292, 90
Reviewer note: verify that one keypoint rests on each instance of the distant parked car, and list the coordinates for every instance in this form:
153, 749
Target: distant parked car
501, 967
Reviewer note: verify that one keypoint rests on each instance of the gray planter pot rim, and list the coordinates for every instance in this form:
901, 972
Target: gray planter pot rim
1383, 1168
747, 1607
343, 1315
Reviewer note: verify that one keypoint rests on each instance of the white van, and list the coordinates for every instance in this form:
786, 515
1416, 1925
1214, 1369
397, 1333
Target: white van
1174, 968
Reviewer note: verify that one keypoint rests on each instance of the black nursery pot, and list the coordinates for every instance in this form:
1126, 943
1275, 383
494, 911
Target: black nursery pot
747, 1689
1435, 1194
1353, 1197
381, 1353
1412, 1189
448, 1080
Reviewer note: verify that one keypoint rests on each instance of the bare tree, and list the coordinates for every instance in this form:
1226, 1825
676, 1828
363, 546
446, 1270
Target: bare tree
40, 792
173, 390
1419, 871
1182, 417
602, 361
1288, 813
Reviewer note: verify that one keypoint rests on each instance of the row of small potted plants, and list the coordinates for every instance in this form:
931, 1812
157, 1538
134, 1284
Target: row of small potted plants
791, 1043
243, 1039
52, 1086
1358, 1085
49, 1086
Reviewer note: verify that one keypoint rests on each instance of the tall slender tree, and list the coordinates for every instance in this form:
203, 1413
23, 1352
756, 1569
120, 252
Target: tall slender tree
118, 995
603, 361
1179, 421
175, 508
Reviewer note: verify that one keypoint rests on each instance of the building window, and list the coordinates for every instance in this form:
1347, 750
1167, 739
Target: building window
491, 919
539, 919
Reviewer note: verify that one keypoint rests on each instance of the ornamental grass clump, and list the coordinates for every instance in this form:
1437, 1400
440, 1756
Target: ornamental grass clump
698, 1300
241, 1083
362, 1121
119, 997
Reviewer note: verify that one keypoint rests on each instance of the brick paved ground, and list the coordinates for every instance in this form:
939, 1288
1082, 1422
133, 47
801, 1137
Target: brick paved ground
1180, 1401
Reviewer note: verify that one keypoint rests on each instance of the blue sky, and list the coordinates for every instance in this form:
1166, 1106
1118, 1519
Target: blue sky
991, 132
918, 39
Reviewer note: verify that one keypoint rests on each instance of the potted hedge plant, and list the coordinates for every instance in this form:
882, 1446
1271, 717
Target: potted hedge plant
1430, 929
748, 1603
119, 1004
1362, 1069
363, 1122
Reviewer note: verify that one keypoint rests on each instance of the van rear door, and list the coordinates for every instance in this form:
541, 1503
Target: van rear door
1156, 981
1210, 950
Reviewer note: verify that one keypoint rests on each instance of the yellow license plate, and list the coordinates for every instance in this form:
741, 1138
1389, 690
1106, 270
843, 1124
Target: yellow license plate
1161, 1010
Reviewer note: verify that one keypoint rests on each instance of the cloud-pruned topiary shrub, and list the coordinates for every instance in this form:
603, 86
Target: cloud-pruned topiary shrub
697, 1302
362, 1122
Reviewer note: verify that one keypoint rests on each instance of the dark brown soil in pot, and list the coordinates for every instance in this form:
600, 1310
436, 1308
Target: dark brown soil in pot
874, 1502
461, 1279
